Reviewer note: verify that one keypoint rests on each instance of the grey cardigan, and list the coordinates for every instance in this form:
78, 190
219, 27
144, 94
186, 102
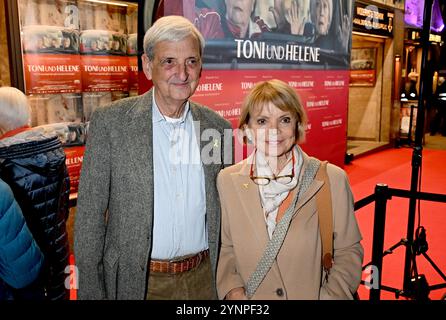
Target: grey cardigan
114, 218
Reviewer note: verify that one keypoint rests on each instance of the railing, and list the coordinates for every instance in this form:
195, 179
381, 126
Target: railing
381, 195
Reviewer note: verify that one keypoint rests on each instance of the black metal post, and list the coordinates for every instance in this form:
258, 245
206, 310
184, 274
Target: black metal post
409, 134
417, 151
382, 195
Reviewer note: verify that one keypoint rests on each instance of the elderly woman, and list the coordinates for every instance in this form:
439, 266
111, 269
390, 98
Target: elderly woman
272, 204
33, 165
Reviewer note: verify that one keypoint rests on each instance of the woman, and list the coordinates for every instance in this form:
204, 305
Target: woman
272, 187
20, 257
32, 163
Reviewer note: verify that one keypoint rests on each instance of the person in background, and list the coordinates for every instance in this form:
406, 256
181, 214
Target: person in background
270, 200
207, 20
329, 34
238, 23
148, 213
290, 16
32, 163
21, 260
15, 113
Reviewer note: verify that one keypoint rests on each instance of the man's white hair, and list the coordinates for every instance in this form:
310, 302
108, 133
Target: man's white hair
170, 28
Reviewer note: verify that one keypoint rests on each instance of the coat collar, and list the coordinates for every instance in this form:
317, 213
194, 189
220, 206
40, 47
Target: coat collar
249, 190
141, 107
248, 193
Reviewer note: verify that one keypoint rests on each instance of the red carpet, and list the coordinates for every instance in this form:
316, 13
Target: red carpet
393, 167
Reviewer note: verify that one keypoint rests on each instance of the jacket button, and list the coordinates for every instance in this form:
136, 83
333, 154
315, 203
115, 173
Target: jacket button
279, 292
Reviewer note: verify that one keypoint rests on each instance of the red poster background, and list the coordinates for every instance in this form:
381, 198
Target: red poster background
112, 73
133, 73
74, 158
52, 73
324, 95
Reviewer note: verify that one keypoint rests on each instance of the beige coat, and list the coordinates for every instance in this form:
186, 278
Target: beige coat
297, 272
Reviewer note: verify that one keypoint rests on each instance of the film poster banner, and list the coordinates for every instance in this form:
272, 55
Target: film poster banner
363, 67
324, 95
104, 73
74, 158
133, 73
305, 43
52, 73
245, 34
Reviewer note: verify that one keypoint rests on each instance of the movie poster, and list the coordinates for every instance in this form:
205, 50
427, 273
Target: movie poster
50, 42
363, 67
76, 58
305, 43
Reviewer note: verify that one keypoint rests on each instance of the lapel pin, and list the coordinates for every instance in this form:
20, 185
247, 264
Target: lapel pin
245, 185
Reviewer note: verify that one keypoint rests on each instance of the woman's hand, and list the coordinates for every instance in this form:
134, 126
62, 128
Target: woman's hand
236, 294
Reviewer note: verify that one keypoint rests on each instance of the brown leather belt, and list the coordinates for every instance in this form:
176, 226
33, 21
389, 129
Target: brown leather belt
178, 266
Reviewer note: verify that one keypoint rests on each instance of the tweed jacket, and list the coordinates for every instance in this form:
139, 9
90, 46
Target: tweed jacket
297, 272
114, 219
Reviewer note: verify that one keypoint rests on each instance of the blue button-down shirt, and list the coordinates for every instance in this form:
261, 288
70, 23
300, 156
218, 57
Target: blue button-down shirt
179, 188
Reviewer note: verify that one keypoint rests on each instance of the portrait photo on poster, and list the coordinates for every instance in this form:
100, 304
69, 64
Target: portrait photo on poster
272, 34
363, 66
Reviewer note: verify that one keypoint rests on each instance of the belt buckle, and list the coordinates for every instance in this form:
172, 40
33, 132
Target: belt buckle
186, 264
176, 267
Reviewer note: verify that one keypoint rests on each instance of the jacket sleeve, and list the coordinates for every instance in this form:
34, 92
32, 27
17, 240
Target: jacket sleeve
228, 146
345, 275
92, 205
20, 257
228, 277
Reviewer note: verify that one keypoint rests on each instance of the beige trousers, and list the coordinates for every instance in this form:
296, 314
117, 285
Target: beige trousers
195, 284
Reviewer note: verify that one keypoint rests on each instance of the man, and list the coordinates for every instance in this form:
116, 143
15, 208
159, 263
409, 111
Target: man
148, 216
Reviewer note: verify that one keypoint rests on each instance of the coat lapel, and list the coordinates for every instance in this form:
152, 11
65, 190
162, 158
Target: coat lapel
140, 153
248, 193
210, 170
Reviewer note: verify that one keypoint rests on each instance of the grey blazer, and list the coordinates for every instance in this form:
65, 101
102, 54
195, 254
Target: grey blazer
114, 218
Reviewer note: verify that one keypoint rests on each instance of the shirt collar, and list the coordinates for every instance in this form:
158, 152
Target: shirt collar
157, 116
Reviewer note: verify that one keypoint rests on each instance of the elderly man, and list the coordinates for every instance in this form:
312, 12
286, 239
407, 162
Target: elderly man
148, 218
238, 18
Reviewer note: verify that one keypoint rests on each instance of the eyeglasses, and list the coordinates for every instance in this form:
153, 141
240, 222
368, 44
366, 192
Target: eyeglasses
263, 181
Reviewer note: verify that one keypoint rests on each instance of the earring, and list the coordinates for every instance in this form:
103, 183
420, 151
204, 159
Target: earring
248, 136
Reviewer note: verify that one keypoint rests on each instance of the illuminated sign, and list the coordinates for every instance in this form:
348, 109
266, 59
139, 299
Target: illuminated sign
371, 19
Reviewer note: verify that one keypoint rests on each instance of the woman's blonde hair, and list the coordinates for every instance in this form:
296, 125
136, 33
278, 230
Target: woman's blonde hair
14, 109
280, 95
